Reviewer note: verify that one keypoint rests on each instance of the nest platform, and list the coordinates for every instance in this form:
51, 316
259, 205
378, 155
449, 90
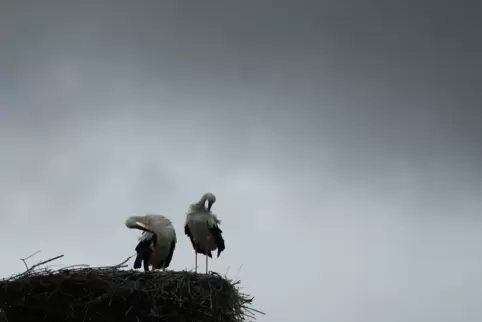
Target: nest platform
111, 294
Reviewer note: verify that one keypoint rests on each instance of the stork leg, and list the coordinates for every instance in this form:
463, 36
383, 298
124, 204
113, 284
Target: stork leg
207, 258
195, 259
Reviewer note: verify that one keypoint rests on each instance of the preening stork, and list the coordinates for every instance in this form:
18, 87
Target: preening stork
157, 243
202, 228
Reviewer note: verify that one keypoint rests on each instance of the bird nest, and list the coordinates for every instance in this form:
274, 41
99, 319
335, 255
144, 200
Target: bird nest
114, 294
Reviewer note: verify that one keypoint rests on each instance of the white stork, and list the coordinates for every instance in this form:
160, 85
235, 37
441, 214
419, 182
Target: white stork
157, 243
202, 228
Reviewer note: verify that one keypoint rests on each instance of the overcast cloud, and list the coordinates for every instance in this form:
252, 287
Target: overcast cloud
341, 138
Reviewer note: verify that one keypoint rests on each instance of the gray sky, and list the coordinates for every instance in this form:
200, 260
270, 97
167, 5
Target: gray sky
340, 137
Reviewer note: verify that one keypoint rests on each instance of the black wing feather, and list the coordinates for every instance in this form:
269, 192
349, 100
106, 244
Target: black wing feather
171, 253
195, 246
218, 238
144, 252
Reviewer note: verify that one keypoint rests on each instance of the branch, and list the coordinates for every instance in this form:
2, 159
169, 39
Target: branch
24, 260
70, 267
118, 265
122, 264
239, 270
254, 310
43, 262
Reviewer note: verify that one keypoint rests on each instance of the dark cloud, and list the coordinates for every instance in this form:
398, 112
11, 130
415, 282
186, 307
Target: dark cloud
340, 138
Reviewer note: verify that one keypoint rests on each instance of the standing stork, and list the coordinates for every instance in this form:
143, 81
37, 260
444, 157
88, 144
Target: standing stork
202, 228
157, 242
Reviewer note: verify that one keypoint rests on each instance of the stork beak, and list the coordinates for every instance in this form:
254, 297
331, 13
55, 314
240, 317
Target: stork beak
210, 204
144, 229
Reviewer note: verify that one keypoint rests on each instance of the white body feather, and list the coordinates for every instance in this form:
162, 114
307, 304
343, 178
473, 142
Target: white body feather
162, 227
200, 221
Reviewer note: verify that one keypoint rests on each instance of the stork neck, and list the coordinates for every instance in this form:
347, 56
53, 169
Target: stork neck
201, 201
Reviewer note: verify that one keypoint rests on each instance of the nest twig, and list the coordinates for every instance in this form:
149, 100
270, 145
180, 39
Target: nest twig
81, 293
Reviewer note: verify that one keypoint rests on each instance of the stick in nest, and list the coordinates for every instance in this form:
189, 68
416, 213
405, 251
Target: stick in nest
28, 257
42, 263
125, 295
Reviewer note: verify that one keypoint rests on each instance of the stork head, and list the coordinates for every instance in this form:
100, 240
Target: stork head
210, 198
132, 223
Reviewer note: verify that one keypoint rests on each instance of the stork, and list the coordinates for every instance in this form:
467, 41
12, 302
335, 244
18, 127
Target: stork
156, 244
202, 228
